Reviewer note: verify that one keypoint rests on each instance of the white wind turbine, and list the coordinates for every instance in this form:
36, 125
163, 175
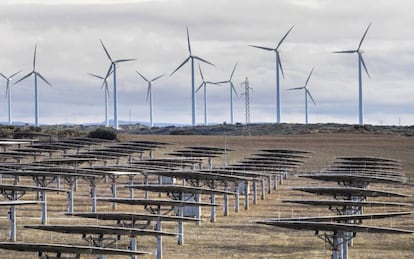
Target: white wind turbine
112, 68
360, 62
204, 85
232, 89
191, 58
278, 66
36, 74
307, 93
106, 89
8, 94
149, 92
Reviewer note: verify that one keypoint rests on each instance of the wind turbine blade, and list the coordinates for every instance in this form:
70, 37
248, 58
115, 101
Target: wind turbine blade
198, 89
223, 82
284, 37
158, 77
203, 60
148, 91
363, 64
3, 76
44, 79
234, 89
280, 64
345, 51
259, 47
23, 78
124, 60
308, 93
143, 77
188, 42
14, 74
34, 57
182, 64
100, 77
365, 34
232, 72
212, 83
201, 73
296, 88
109, 72
106, 51
307, 80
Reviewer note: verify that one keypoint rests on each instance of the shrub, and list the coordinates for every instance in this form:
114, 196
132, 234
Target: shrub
103, 133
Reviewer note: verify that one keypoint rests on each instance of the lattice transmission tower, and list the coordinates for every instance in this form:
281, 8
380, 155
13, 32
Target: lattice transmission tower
246, 94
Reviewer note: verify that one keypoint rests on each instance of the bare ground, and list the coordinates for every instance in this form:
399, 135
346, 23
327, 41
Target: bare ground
236, 236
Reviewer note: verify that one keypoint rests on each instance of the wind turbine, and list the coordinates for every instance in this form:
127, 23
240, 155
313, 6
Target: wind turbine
204, 85
112, 68
307, 93
360, 61
191, 57
36, 74
149, 92
8, 94
104, 84
278, 66
232, 89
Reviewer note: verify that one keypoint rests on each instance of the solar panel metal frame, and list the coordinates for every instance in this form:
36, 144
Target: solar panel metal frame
69, 249
349, 191
345, 203
334, 227
130, 216
99, 230
169, 188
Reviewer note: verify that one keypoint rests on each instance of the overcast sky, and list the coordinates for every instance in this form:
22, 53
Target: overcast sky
154, 32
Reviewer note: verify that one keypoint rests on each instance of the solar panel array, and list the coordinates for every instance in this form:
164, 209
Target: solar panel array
183, 176
354, 177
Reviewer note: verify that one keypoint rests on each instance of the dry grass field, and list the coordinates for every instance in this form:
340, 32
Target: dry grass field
236, 236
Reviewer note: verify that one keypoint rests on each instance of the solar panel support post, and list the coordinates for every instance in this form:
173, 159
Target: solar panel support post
262, 188
345, 245
93, 196
131, 190
70, 199
12, 223
58, 182
44, 208
198, 213
226, 204
113, 189
133, 246
269, 184
236, 205
254, 191
213, 208
159, 237
180, 222
246, 195
275, 182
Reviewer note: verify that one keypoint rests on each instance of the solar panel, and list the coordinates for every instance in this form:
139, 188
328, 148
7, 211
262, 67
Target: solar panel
334, 227
70, 249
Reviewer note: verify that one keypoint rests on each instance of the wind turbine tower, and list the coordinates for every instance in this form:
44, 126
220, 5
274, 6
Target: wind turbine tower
105, 85
361, 63
36, 74
278, 67
191, 58
204, 85
307, 93
149, 93
232, 89
112, 68
8, 94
